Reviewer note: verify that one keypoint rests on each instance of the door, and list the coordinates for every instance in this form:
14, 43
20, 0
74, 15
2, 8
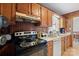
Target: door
7, 50
44, 17
13, 14
70, 40
62, 45
50, 18
23, 8
35, 9
6, 11
50, 48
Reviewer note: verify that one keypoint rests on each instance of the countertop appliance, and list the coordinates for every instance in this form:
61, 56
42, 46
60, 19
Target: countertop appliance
62, 30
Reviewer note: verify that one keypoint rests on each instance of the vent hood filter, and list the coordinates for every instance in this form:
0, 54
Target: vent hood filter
20, 17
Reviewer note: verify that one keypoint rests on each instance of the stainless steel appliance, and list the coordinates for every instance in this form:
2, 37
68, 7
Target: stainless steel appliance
27, 38
25, 41
20, 17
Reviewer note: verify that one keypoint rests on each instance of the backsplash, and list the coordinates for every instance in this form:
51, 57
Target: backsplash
26, 27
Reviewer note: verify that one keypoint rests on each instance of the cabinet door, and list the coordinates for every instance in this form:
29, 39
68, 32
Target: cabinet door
7, 50
66, 42
13, 14
70, 40
49, 18
57, 48
35, 9
23, 8
44, 17
6, 11
50, 48
62, 45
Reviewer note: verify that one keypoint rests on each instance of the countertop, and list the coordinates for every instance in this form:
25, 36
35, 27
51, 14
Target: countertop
57, 37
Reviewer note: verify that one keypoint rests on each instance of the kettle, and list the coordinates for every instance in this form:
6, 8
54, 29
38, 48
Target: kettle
39, 34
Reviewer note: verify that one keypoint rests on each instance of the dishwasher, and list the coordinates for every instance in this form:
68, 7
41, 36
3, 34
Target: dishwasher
57, 48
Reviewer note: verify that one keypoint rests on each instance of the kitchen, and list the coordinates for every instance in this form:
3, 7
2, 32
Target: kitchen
34, 29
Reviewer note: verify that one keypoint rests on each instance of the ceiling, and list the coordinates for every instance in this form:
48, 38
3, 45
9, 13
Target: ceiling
62, 8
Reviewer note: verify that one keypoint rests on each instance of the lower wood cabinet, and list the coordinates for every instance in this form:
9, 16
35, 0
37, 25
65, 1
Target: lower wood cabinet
58, 47
50, 48
62, 45
7, 50
66, 42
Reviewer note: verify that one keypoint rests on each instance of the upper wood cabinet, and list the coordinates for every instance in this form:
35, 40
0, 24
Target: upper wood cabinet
0, 8
23, 8
13, 14
35, 9
44, 15
49, 18
8, 10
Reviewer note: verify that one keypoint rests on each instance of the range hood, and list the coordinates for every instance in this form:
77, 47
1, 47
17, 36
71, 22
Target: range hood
21, 17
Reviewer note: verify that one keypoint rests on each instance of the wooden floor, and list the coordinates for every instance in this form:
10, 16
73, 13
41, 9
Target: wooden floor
72, 51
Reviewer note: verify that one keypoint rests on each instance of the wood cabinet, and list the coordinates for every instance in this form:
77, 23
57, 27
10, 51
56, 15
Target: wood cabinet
50, 14
50, 48
44, 17
7, 50
13, 14
35, 9
69, 41
23, 8
8, 10
31, 9
66, 42
62, 45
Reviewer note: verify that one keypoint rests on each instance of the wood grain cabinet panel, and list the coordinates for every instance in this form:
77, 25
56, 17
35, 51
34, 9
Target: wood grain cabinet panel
8, 10
35, 9
70, 40
7, 50
49, 18
23, 8
62, 45
44, 17
50, 48
13, 14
